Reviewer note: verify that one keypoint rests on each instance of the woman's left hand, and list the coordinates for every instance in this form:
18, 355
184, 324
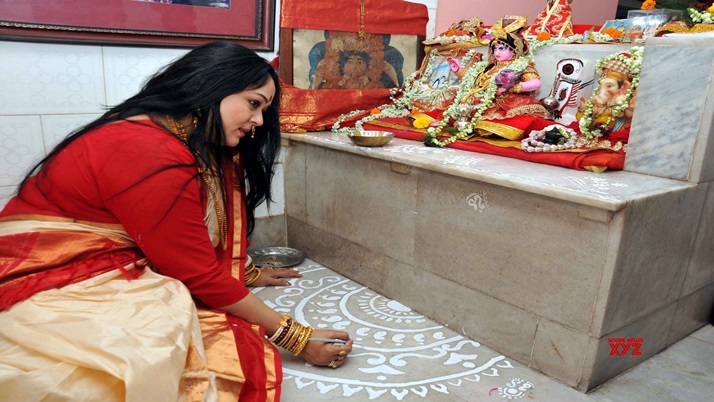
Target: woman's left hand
276, 277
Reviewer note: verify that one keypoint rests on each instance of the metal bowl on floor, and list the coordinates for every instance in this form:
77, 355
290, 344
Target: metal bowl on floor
371, 138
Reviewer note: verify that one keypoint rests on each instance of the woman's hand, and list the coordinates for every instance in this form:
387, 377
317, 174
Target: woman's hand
327, 354
276, 277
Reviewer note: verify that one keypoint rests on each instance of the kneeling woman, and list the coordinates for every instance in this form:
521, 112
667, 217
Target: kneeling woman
116, 252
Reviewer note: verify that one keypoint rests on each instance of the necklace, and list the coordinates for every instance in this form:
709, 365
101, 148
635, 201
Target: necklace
214, 184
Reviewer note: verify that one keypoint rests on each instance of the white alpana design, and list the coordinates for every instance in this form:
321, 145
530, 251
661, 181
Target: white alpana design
398, 353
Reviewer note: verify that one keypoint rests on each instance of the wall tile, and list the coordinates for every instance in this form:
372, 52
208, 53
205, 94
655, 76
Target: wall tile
559, 351
21, 146
653, 256
278, 192
700, 271
371, 205
41, 78
601, 366
128, 68
693, 311
534, 252
295, 168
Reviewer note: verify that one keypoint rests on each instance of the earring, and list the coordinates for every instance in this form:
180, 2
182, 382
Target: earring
196, 117
252, 132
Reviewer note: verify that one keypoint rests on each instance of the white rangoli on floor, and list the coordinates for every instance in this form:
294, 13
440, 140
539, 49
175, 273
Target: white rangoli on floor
397, 352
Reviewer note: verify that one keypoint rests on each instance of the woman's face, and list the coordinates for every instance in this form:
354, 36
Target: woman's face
355, 66
242, 111
502, 52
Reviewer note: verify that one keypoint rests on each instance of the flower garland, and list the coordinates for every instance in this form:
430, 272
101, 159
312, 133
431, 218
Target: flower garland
401, 98
704, 17
486, 100
537, 141
634, 64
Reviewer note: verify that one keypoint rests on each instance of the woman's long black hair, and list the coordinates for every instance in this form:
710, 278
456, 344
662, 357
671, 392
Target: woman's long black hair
194, 86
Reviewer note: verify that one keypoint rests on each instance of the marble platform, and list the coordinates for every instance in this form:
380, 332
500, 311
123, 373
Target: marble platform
541, 263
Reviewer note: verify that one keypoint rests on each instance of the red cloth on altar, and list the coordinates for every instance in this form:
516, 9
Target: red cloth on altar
586, 160
304, 110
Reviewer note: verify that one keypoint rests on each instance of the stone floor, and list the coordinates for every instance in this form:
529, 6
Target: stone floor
400, 355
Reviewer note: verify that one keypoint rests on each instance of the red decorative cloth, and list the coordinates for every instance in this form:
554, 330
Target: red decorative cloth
593, 160
380, 16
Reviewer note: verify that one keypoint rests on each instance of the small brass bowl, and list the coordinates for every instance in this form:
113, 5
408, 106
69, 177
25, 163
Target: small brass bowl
371, 138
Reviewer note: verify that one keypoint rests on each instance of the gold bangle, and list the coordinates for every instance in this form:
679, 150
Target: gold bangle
252, 273
300, 346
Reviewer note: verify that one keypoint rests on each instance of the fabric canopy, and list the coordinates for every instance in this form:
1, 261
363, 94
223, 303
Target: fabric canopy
395, 17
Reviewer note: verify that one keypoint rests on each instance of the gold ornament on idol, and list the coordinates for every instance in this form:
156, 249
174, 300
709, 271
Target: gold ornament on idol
214, 185
252, 132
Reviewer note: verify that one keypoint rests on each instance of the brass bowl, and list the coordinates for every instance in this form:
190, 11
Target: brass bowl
371, 138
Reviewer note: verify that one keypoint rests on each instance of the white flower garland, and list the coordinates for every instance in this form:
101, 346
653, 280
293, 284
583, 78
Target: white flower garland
535, 142
703, 17
634, 64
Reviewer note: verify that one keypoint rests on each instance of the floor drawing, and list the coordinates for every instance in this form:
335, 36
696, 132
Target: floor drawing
399, 355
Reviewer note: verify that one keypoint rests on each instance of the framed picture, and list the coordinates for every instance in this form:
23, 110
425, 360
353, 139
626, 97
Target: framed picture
321, 59
140, 22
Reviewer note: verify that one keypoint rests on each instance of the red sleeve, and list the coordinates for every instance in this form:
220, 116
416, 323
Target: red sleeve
162, 210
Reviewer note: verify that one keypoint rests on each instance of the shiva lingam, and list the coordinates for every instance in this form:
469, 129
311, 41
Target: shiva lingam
463, 116
552, 136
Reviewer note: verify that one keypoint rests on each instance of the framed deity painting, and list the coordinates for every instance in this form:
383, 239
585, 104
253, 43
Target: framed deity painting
140, 22
322, 59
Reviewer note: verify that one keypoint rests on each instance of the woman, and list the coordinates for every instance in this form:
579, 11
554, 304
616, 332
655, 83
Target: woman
116, 253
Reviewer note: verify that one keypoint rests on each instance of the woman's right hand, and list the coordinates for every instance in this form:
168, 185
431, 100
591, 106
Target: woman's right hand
327, 354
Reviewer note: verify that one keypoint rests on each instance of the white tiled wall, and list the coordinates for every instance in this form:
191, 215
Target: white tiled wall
48, 90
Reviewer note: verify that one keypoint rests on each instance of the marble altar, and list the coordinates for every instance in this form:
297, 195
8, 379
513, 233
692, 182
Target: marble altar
544, 264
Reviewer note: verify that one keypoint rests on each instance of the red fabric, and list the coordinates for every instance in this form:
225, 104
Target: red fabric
600, 158
252, 361
304, 110
117, 175
380, 16
582, 28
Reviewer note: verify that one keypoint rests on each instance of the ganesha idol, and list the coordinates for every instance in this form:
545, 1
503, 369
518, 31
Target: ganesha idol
611, 107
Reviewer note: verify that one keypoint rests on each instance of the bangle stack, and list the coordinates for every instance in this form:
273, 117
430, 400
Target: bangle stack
252, 273
291, 335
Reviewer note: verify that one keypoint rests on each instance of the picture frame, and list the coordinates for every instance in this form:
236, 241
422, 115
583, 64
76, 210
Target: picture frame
305, 54
139, 22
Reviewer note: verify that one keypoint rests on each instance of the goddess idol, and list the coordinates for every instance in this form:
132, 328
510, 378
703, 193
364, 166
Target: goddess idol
496, 97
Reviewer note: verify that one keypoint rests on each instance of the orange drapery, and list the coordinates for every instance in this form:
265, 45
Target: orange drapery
380, 16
